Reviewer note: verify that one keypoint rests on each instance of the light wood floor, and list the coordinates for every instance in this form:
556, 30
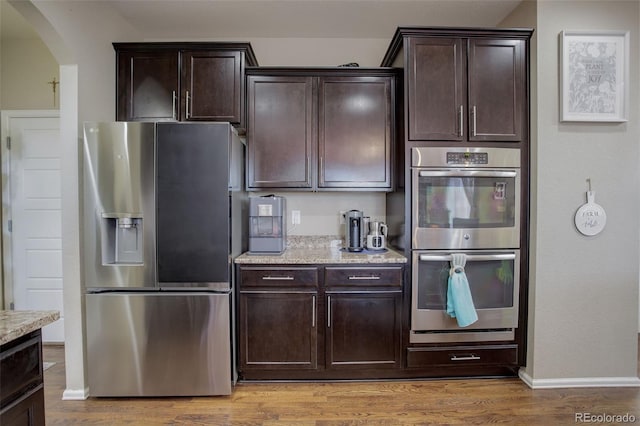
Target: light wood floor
477, 401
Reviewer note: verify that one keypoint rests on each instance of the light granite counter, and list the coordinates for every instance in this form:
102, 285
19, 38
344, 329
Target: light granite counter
321, 250
14, 324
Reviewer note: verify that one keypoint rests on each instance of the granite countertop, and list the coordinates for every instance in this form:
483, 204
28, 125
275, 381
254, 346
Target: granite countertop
321, 249
14, 324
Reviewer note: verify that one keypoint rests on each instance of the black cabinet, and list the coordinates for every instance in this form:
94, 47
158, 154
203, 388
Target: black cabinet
181, 81
320, 129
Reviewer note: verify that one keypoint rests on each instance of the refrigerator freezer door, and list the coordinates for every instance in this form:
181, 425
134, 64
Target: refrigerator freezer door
158, 344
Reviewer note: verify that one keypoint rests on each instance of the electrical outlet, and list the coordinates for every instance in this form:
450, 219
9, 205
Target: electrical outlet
295, 217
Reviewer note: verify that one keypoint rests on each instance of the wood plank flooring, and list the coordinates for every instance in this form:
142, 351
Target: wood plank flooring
477, 401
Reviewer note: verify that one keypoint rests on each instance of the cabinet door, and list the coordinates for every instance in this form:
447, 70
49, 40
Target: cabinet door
147, 86
436, 89
496, 89
278, 330
363, 329
354, 132
280, 136
212, 85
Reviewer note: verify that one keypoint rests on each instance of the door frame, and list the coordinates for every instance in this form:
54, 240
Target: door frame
6, 277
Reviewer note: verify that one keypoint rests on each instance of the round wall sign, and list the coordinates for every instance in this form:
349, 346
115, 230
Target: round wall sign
590, 218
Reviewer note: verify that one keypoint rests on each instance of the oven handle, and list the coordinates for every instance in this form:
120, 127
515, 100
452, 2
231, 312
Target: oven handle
468, 173
470, 257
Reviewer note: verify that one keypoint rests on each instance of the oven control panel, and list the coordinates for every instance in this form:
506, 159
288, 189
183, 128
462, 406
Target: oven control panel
467, 158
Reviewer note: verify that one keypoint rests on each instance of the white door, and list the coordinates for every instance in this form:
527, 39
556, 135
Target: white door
32, 214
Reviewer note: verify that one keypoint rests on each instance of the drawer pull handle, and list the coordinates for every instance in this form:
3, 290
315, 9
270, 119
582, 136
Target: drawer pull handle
357, 277
272, 278
469, 357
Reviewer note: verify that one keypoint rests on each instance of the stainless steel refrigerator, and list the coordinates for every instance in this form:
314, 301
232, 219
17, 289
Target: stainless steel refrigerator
164, 217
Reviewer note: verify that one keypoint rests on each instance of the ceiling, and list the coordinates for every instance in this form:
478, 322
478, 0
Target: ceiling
240, 19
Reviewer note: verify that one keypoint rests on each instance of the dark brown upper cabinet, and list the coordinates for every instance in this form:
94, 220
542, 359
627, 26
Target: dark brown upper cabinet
354, 132
464, 85
148, 85
320, 129
280, 133
497, 89
181, 81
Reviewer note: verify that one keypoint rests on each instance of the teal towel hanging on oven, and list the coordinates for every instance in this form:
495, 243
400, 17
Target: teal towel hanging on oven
459, 301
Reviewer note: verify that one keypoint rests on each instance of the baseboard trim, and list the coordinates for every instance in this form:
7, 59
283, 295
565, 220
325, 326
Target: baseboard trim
75, 394
587, 382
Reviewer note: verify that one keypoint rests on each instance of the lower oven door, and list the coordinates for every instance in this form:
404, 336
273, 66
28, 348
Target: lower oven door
494, 278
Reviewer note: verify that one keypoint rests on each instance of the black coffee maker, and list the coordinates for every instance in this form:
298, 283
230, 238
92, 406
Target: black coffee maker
354, 230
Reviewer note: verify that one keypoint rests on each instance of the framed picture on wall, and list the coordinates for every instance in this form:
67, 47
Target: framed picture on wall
594, 75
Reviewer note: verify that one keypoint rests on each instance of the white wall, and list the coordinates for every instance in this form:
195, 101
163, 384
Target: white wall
583, 319
26, 67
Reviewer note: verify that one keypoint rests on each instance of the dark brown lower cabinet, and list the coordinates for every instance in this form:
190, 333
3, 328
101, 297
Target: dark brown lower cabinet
456, 356
21, 381
363, 329
278, 330
292, 327
27, 411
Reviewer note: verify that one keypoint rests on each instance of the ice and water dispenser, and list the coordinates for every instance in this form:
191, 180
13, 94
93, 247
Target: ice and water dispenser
122, 239
267, 227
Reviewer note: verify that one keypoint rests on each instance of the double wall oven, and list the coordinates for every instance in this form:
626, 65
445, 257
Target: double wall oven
465, 200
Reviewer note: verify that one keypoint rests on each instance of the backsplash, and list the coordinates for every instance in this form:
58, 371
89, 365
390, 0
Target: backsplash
314, 241
320, 211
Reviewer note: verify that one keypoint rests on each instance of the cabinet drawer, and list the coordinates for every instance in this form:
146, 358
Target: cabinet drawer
20, 367
278, 277
363, 276
462, 356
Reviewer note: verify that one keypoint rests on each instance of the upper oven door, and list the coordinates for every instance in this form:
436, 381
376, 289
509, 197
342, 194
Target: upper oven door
465, 208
